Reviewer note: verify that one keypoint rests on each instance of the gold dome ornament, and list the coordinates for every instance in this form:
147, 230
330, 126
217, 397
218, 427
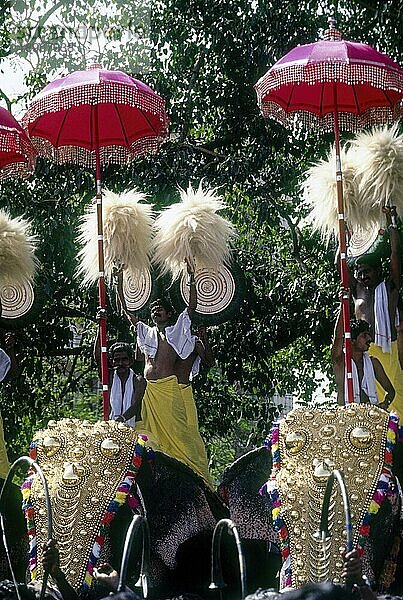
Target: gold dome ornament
110, 448
50, 445
361, 437
72, 474
295, 441
322, 470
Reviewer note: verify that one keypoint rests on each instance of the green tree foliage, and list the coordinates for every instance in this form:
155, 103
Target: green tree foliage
203, 57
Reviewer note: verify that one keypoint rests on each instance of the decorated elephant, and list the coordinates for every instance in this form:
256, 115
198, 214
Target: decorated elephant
98, 476
305, 447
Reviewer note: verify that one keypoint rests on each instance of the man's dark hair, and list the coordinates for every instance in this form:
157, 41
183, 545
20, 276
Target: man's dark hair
163, 303
262, 594
358, 326
371, 260
120, 347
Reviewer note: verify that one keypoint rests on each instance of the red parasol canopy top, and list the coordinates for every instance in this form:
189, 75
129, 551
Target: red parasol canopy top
313, 81
17, 154
96, 109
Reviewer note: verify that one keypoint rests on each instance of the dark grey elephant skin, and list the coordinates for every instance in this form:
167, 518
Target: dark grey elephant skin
252, 514
239, 488
16, 535
181, 512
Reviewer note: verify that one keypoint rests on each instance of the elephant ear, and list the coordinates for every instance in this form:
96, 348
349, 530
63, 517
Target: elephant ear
239, 489
15, 532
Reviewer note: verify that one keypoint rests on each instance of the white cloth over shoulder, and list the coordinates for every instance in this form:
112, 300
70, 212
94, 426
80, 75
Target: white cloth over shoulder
383, 336
196, 363
179, 336
119, 405
5, 364
147, 339
368, 381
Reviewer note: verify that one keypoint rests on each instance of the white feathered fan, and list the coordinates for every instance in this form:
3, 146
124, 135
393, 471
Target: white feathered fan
17, 246
127, 221
320, 195
377, 158
192, 230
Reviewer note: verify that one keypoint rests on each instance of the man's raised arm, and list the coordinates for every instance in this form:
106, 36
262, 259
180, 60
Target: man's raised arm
191, 282
395, 262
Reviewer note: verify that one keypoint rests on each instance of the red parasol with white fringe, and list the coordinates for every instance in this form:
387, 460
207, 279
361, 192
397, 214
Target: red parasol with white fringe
334, 84
94, 118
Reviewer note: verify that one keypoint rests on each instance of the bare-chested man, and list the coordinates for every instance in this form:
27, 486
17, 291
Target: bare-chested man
376, 302
366, 369
163, 415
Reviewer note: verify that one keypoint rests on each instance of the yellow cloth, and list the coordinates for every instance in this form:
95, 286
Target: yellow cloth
164, 421
4, 464
391, 365
193, 431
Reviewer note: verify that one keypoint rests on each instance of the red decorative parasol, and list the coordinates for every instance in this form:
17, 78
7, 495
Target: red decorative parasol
94, 118
334, 84
17, 154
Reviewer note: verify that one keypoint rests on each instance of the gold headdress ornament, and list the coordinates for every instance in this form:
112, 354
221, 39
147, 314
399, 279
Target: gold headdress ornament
127, 221
377, 159
17, 246
307, 445
320, 195
89, 468
192, 229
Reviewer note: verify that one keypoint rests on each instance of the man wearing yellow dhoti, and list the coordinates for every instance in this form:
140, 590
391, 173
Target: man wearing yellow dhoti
376, 302
163, 415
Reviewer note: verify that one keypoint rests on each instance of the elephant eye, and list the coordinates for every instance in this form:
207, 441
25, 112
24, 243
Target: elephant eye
50, 445
295, 441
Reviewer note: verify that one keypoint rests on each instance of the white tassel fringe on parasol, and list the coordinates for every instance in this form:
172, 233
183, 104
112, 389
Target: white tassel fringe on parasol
320, 195
127, 222
192, 229
377, 157
17, 246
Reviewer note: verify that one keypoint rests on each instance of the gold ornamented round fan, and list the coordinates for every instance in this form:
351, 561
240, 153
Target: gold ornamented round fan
137, 290
16, 299
215, 291
363, 240
219, 294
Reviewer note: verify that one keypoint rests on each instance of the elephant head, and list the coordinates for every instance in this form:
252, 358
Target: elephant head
98, 475
306, 446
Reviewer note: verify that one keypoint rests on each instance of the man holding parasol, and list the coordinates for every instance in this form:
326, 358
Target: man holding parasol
376, 301
334, 84
367, 370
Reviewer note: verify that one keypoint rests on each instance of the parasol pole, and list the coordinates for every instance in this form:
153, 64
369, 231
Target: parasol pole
343, 256
101, 276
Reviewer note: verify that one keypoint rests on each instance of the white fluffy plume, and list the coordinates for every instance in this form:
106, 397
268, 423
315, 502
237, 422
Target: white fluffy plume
17, 247
320, 195
192, 229
377, 157
127, 222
